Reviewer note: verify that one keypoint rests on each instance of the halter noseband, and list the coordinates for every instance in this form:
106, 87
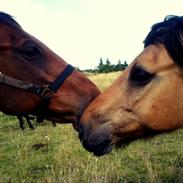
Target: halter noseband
45, 91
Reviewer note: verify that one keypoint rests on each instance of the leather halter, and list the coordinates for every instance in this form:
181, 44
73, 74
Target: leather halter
44, 91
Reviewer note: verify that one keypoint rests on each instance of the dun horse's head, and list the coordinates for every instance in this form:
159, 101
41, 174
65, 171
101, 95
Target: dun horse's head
34, 80
146, 99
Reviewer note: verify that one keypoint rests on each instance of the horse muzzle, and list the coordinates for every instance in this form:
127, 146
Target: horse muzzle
99, 142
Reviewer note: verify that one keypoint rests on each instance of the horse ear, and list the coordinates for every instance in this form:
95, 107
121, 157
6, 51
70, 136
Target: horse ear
8, 19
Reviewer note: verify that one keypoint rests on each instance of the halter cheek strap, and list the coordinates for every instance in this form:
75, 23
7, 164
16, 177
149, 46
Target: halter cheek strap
45, 91
61, 78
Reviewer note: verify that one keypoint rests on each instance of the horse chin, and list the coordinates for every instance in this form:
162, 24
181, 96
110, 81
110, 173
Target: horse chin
125, 141
122, 144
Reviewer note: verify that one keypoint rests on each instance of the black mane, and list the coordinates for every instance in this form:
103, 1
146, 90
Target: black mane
8, 19
170, 33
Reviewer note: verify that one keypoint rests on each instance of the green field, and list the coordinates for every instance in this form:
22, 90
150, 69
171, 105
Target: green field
55, 155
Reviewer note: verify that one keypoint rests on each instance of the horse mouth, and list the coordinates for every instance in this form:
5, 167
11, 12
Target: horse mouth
104, 151
106, 147
99, 149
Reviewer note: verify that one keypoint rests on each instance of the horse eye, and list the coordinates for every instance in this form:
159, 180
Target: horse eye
140, 77
30, 52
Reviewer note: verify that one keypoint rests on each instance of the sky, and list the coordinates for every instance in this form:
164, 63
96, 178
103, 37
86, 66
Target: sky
83, 31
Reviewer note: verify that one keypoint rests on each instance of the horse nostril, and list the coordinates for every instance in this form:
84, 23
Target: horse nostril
81, 132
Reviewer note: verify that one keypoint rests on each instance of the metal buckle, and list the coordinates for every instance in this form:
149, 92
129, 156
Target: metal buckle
46, 92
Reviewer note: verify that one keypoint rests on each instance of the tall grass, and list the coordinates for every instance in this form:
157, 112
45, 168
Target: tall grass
55, 155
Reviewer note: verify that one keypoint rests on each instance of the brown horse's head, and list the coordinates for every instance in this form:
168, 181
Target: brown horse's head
26, 59
146, 99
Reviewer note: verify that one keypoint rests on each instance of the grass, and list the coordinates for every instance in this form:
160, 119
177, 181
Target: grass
103, 80
55, 155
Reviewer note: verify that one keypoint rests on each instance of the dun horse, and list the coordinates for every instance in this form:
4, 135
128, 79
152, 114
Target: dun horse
146, 99
34, 80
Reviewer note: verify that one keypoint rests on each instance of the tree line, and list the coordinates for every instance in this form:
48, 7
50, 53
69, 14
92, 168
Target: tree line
106, 67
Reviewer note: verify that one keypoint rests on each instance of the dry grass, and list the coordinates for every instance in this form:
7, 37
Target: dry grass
104, 80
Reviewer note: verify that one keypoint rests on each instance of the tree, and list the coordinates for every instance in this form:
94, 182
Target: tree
108, 63
125, 65
101, 66
101, 62
119, 66
108, 67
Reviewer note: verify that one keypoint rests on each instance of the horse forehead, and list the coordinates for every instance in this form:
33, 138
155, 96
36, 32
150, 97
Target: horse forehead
11, 34
153, 57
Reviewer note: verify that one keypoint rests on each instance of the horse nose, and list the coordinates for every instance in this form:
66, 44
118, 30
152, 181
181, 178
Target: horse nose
84, 133
83, 138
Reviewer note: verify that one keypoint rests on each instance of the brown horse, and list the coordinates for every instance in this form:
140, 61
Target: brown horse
34, 80
146, 99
